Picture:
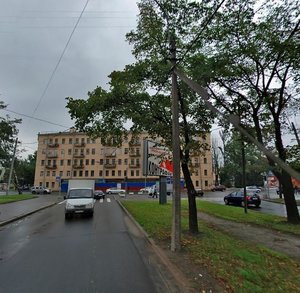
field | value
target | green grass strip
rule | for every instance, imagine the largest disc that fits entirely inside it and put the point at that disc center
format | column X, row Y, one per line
column 11, row 198
column 240, row 266
column 237, row 214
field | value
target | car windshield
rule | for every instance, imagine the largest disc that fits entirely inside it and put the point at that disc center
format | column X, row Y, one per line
column 80, row 193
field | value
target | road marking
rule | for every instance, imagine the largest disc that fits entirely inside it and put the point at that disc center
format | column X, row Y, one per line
column 62, row 202
column 101, row 200
column 108, row 200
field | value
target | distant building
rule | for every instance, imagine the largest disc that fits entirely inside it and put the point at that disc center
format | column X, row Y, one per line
column 73, row 155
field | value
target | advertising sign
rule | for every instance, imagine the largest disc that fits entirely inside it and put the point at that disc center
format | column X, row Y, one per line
column 157, row 160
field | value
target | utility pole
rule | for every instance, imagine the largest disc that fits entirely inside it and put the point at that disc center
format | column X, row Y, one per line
column 11, row 167
column 295, row 132
column 176, row 202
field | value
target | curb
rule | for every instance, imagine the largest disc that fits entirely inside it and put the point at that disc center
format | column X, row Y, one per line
column 3, row 223
column 181, row 280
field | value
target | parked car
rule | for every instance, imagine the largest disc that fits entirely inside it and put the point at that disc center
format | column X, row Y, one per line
column 218, row 188
column 99, row 194
column 145, row 190
column 199, row 192
column 115, row 190
column 253, row 188
column 40, row 190
column 79, row 201
column 237, row 198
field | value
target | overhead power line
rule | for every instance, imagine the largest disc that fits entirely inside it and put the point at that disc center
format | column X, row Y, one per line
column 39, row 119
column 60, row 58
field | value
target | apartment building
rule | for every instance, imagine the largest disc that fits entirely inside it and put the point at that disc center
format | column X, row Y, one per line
column 73, row 155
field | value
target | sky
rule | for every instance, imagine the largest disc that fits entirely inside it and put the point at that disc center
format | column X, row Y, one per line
column 46, row 55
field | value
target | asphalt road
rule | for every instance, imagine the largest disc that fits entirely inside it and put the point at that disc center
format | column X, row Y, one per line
column 265, row 207
column 45, row 253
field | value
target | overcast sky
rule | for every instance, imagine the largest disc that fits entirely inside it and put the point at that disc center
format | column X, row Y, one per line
column 33, row 37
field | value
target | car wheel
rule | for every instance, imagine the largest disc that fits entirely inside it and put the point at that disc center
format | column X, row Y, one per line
column 67, row 216
column 33, row 192
column 226, row 201
column 45, row 192
column 257, row 205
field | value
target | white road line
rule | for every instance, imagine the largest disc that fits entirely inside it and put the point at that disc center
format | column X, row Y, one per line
column 108, row 200
column 101, row 200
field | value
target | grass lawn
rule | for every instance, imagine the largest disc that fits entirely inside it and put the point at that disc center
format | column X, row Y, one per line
column 11, row 198
column 239, row 266
column 237, row 214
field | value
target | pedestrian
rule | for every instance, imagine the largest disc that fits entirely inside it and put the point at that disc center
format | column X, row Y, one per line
column 154, row 193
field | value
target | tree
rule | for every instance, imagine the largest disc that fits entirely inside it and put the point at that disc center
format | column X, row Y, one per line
column 25, row 169
column 251, row 61
column 141, row 92
column 8, row 132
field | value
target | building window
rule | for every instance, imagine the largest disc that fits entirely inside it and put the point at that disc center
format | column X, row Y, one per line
column 197, row 183
column 69, row 163
column 93, row 151
column 137, row 173
column 197, row 173
column 77, row 140
column 119, row 173
column 126, row 151
column 53, row 173
column 61, row 162
column 205, row 160
column 106, row 173
column 125, row 162
column 82, row 140
column 87, row 151
column 88, row 140
column 205, row 172
column 61, row 173
column 206, row 183
column 74, row 173
column 132, row 173
column 125, row 173
column 42, row 162
column 87, row 161
column 93, row 162
column 68, row 173
column 101, row 162
column 70, row 140
column 48, row 173
column 106, row 161
column 119, row 161
column 62, row 152
column 93, row 141
column 113, row 173
column 41, row 173
column 132, row 161
column 69, row 151
column 52, row 184
column 80, row 173
column 100, row 173
column 63, row 141
column 86, row 173
column 47, row 184
column 56, row 140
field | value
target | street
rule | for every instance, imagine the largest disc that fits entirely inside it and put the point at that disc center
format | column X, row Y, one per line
column 45, row 253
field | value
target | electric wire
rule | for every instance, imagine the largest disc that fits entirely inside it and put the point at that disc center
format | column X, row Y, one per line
column 39, row 119
column 61, row 56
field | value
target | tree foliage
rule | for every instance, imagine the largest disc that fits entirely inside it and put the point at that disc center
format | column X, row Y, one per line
column 8, row 132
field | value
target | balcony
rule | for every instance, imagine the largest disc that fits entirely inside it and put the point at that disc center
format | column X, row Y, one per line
column 53, row 145
column 134, row 165
column 51, row 166
column 78, row 166
column 110, row 166
column 110, row 155
column 79, row 144
column 134, row 143
column 134, row 154
column 76, row 155
column 51, row 155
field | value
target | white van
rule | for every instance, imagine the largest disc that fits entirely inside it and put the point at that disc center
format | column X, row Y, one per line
column 79, row 200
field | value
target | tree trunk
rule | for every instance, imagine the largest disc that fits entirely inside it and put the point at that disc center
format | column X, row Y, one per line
column 193, row 218
column 289, row 199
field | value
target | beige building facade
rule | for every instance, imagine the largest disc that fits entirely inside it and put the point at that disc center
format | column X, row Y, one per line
column 62, row 156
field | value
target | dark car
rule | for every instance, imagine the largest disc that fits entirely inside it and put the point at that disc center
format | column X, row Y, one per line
column 99, row 194
column 199, row 192
column 237, row 198
column 218, row 188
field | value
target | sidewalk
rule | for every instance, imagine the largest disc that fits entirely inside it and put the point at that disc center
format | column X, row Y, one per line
column 16, row 210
